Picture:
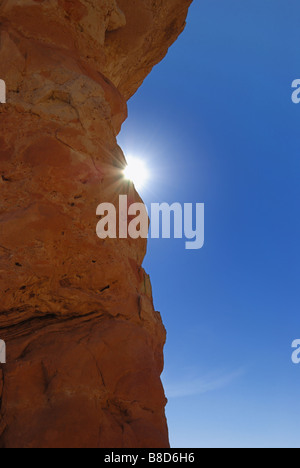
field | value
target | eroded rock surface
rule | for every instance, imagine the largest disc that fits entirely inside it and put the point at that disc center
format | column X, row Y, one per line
column 84, row 343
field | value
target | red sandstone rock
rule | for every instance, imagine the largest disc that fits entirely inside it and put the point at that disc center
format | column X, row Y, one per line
column 84, row 344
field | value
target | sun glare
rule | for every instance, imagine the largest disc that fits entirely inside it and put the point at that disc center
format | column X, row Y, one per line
column 137, row 172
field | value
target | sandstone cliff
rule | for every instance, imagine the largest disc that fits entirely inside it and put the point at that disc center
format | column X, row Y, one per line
column 84, row 344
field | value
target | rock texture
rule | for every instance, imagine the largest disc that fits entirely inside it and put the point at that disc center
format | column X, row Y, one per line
column 84, row 343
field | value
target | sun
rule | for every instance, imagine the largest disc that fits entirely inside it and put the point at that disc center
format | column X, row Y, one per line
column 137, row 172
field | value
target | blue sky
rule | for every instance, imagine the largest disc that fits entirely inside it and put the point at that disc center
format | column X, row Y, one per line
column 216, row 125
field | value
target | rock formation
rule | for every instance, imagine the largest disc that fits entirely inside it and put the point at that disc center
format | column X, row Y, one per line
column 84, row 344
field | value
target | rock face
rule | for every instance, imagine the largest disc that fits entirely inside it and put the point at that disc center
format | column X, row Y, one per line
column 84, row 343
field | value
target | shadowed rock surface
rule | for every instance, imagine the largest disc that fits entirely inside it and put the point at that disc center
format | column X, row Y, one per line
column 84, row 343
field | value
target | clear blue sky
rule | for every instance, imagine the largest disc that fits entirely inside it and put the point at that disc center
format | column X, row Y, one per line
column 216, row 124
